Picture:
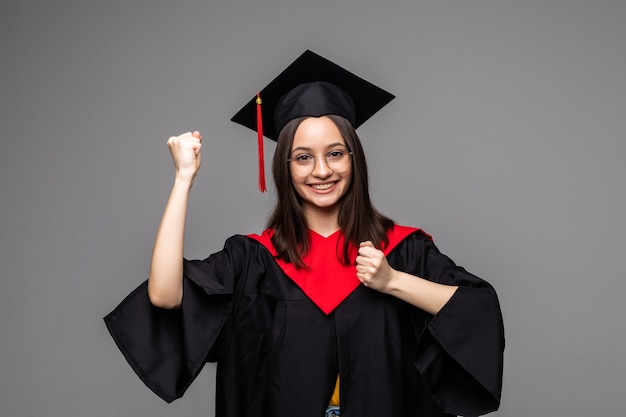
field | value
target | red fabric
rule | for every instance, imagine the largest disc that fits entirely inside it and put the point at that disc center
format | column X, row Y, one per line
column 327, row 282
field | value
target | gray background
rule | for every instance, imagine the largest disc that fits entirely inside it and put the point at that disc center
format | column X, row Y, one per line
column 505, row 142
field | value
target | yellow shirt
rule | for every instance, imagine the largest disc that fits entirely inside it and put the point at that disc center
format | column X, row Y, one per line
column 334, row 400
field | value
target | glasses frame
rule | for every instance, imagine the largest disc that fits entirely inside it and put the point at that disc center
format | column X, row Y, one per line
column 311, row 166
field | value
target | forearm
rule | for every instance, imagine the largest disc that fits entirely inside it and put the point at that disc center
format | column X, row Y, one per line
column 426, row 295
column 165, row 283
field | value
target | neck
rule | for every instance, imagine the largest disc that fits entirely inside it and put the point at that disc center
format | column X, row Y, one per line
column 321, row 221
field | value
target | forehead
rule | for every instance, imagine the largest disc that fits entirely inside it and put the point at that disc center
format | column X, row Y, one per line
column 317, row 133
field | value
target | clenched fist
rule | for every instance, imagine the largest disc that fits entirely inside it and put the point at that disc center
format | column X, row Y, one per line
column 185, row 150
column 372, row 267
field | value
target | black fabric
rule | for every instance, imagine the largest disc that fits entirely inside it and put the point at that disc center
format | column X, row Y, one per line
column 279, row 354
column 309, row 67
column 315, row 99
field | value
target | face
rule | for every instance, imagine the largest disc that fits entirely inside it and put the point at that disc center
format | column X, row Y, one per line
column 320, row 165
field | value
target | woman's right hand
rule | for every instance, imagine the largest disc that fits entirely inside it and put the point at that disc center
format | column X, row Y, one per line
column 165, row 285
column 185, row 150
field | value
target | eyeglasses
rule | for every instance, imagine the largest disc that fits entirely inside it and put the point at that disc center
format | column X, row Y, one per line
column 335, row 159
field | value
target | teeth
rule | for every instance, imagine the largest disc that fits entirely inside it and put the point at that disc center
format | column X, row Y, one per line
column 323, row 186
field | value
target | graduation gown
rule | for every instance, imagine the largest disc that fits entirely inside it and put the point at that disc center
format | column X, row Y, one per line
column 279, row 353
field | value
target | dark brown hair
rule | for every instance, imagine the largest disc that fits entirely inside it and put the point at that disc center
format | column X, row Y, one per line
column 358, row 219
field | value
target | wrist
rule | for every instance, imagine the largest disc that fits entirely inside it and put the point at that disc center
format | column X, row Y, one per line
column 184, row 178
column 393, row 284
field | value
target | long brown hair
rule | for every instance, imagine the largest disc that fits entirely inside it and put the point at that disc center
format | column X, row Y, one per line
column 358, row 219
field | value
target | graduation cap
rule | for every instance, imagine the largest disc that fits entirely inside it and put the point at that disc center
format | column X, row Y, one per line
column 310, row 86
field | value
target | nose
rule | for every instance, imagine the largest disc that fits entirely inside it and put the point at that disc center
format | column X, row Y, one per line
column 321, row 168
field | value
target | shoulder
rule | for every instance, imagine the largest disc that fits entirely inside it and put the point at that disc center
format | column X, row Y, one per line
column 264, row 239
column 409, row 245
column 239, row 252
column 401, row 235
column 239, row 247
column 251, row 240
column 400, row 232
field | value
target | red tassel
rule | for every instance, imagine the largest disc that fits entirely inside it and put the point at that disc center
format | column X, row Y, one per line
column 259, row 130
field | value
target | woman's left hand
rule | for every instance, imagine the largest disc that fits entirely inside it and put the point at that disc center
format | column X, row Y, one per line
column 372, row 268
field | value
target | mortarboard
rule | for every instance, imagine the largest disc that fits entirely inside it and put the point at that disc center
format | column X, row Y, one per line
column 309, row 86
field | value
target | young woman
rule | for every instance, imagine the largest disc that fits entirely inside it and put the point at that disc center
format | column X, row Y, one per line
column 333, row 308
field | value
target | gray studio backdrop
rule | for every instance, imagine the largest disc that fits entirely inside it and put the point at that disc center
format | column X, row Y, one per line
column 505, row 142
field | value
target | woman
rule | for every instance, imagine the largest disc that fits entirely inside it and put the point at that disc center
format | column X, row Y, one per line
column 332, row 291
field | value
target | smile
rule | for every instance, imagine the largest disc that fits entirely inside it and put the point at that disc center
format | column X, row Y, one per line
column 325, row 186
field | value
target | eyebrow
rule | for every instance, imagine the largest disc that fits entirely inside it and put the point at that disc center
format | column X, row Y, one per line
column 332, row 145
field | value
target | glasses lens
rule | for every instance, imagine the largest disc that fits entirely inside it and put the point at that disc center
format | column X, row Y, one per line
column 335, row 156
column 334, row 159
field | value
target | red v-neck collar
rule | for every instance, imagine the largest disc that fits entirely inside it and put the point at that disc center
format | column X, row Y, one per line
column 327, row 282
column 330, row 236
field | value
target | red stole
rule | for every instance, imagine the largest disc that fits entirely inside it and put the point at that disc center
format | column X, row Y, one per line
column 326, row 281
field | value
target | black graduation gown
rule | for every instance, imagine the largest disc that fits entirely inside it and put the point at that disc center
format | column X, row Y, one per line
column 278, row 354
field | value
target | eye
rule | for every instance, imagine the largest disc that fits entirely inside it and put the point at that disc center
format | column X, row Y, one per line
column 303, row 158
column 335, row 155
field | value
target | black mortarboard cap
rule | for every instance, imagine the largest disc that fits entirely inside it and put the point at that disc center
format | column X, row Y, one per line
column 315, row 101
column 310, row 86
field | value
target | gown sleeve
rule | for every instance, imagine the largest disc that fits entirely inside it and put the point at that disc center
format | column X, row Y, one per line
column 168, row 348
column 460, row 352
